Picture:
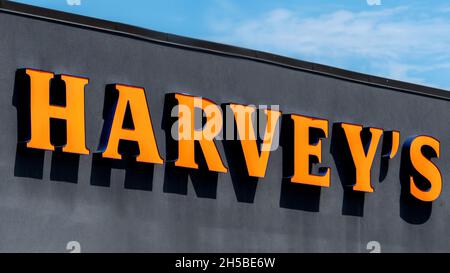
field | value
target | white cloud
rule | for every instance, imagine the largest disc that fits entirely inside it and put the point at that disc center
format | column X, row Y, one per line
column 373, row 2
column 73, row 2
column 390, row 40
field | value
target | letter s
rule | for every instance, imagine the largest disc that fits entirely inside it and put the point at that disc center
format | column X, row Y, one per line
column 422, row 164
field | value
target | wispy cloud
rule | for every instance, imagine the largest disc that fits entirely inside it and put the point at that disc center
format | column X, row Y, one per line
column 73, row 2
column 390, row 41
column 373, row 2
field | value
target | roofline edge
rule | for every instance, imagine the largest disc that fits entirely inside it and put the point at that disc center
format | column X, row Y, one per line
column 217, row 48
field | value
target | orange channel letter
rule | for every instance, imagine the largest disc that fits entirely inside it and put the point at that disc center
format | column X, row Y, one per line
column 425, row 167
column 303, row 151
column 362, row 160
column 143, row 130
column 256, row 162
column 187, row 135
column 41, row 111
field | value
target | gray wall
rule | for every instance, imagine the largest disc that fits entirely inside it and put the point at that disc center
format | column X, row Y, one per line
column 47, row 200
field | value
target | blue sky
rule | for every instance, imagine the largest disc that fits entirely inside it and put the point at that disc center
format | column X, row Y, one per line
column 402, row 39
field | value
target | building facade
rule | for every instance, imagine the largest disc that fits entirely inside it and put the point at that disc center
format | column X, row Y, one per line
column 52, row 200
